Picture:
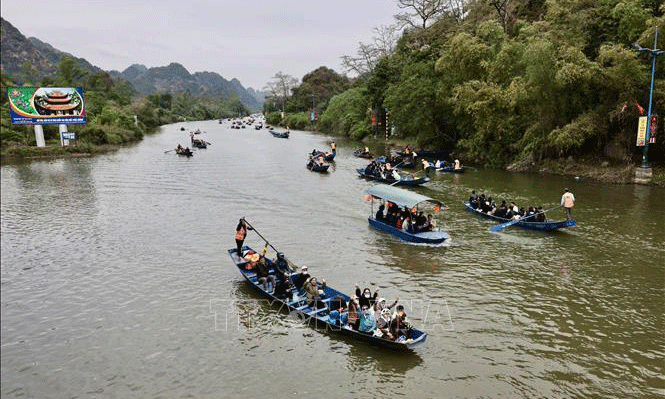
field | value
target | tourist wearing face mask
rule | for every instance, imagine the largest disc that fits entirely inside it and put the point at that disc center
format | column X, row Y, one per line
column 365, row 298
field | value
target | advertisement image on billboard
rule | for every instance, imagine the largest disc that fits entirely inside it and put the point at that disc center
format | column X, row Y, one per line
column 46, row 105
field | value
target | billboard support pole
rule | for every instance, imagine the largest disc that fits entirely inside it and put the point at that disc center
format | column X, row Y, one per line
column 39, row 136
column 63, row 129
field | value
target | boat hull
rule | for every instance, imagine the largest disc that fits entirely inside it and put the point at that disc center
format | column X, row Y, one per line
column 539, row 226
column 321, row 318
column 428, row 237
column 401, row 182
column 281, row 135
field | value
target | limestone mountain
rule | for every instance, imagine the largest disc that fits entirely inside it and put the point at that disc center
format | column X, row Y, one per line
column 31, row 59
column 175, row 77
column 22, row 58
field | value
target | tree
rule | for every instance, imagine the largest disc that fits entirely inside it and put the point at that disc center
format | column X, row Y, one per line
column 69, row 73
column 419, row 12
column 280, row 87
column 368, row 55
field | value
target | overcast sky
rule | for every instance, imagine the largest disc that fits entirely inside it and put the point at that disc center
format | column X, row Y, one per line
column 249, row 40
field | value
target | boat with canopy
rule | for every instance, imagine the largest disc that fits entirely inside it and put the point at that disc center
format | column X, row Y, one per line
column 395, row 196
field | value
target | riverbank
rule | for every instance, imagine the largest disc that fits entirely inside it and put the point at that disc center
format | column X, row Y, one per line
column 55, row 150
column 599, row 170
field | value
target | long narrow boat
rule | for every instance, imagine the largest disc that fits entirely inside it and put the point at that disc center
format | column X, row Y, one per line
column 321, row 316
column 317, row 168
column 540, row 226
column 281, row 135
column 400, row 164
column 409, row 199
column 450, row 169
column 363, row 154
column 327, row 156
column 407, row 180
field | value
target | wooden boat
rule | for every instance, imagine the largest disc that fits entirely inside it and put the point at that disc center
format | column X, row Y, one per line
column 199, row 143
column 363, row 154
column 450, row 169
column 185, row 151
column 281, row 135
column 423, row 153
column 327, row 156
column 407, row 180
column 400, row 163
column 402, row 197
column 320, row 317
column 525, row 224
column 314, row 167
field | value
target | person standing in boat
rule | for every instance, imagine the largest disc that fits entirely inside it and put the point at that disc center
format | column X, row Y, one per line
column 567, row 202
column 333, row 147
column 241, row 233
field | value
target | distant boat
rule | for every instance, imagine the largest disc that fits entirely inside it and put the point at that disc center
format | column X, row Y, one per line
column 363, row 154
column 185, row 152
column 406, row 180
column 281, row 135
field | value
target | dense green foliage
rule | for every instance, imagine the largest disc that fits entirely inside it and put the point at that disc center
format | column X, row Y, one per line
column 552, row 79
column 115, row 113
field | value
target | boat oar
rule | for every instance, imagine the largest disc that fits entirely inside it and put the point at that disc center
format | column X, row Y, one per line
column 168, row 151
column 501, row 226
column 291, row 266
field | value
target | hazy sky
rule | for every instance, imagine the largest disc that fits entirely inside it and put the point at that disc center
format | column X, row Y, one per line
column 249, row 40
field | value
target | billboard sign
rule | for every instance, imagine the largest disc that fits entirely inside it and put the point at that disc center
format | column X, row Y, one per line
column 46, row 105
column 641, row 131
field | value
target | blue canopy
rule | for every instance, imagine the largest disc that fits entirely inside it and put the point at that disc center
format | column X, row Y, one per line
column 400, row 196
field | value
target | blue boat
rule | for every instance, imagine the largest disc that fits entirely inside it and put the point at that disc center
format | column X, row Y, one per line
column 410, row 200
column 401, row 164
column 281, row 135
column 450, row 169
column 406, row 180
column 363, row 154
column 320, row 317
column 540, row 226
column 327, row 156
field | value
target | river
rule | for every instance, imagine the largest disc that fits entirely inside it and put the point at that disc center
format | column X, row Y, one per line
column 116, row 282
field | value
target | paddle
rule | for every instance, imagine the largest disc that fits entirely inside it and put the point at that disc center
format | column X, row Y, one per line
column 512, row 222
column 165, row 152
column 291, row 266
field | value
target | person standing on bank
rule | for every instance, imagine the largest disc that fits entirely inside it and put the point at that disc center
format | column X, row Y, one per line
column 567, row 202
column 241, row 233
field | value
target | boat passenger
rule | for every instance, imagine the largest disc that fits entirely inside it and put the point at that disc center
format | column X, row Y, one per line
column 420, row 219
column 379, row 214
column 352, row 319
column 284, row 287
column 314, row 293
column 367, row 321
column 300, row 278
column 396, row 175
column 458, row 166
column 380, row 306
column 280, row 264
column 263, row 274
column 400, row 328
column 383, row 325
column 241, row 233
column 567, row 202
column 178, row 147
column 366, row 297
column 427, row 225
column 406, row 225
column 337, row 308
column 540, row 215
column 501, row 210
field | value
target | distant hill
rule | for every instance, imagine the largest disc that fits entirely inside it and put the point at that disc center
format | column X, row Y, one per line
column 17, row 51
column 175, row 77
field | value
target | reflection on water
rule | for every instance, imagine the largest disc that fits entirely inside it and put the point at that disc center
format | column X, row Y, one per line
column 115, row 279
